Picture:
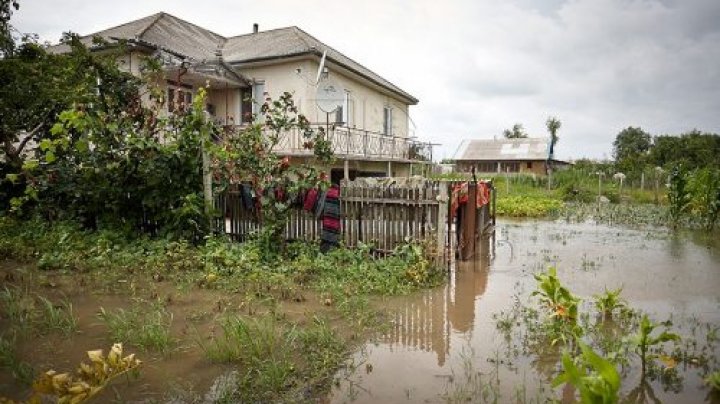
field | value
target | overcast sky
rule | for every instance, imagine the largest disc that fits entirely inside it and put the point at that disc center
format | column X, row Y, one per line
column 480, row 66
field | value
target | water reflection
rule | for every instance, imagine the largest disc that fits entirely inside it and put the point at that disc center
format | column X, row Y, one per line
column 426, row 323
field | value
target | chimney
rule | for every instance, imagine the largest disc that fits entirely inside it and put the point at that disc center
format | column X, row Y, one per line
column 255, row 28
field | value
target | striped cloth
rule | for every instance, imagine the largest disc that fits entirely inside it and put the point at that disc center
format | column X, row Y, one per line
column 330, row 234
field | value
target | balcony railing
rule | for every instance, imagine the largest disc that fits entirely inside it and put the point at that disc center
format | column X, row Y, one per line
column 360, row 144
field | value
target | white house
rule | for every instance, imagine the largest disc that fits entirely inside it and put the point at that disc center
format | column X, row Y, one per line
column 369, row 131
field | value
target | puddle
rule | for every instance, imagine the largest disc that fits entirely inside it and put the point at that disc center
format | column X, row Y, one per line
column 440, row 338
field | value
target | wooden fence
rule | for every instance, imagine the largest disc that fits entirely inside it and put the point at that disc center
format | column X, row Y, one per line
column 385, row 213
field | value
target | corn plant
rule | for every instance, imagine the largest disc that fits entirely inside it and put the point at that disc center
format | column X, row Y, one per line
column 678, row 195
column 593, row 376
column 643, row 341
column 609, row 301
column 562, row 304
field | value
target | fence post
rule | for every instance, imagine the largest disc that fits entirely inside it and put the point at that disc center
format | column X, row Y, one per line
column 442, row 223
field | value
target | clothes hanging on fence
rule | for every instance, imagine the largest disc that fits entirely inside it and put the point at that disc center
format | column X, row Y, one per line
column 320, row 205
column 246, row 194
column 330, row 234
column 310, row 199
column 460, row 195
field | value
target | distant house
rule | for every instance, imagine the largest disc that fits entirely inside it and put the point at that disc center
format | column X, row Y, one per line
column 369, row 131
column 523, row 155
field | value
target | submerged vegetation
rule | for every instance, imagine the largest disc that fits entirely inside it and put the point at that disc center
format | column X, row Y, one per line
column 601, row 353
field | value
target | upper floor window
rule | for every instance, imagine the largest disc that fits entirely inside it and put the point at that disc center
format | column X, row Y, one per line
column 342, row 113
column 387, row 121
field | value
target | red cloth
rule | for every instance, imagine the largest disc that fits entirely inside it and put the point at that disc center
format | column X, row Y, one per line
column 310, row 199
column 460, row 196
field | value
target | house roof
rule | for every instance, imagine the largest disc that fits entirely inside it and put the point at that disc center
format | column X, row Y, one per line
column 503, row 149
column 185, row 39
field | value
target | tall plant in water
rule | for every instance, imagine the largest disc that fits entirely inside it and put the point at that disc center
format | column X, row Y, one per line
column 705, row 186
column 248, row 155
column 643, row 341
column 593, row 376
column 678, row 195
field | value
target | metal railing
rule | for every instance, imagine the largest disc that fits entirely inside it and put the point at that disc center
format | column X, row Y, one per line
column 358, row 143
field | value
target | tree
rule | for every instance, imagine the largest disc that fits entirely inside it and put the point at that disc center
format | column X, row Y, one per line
column 7, row 42
column 517, row 132
column 694, row 149
column 553, row 125
column 630, row 149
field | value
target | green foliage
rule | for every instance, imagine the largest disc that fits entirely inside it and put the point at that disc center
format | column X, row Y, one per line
column 693, row 150
column 275, row 359
column 58, row 317
column 21, row 371
column 147, row 329
column 644, row 341
column 517, row 132
column 678, row 195
column 527, row 206
column 705, row 189
column 713, row 380
column 562, row 304
column 593, row 376
column 248, row 155
column 609, row 301
column 630, row 150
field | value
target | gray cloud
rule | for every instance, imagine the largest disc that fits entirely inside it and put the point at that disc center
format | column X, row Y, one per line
column 480, row 66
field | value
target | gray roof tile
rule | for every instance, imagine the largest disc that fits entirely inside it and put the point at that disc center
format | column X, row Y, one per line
column 187, row 39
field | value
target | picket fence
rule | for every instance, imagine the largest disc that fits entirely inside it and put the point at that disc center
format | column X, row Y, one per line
column 384, row 213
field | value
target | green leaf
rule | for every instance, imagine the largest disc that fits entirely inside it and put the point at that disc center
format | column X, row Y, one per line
column 12, row 178
column 50, row 156
column 45, row 144
column 30, row 165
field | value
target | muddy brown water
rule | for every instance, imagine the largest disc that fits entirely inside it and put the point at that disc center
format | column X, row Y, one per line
column 438, row 335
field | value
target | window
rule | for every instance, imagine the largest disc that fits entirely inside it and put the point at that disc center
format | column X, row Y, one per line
column 246, row 105
column 387, row 121
column 179, row 98
column 529, row 164
column 342, row 113
column 258, row 98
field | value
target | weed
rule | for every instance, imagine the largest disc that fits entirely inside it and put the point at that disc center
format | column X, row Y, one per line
column 20, row 371
column 609, row 301
column 57, row 317
column 17, row 306
column 643, row 341
column 276, row 359
column 713, row 380
column 593, row 376
column 149, row 330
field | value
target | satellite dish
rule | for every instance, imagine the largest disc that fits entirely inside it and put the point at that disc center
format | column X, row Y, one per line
column 329, row 96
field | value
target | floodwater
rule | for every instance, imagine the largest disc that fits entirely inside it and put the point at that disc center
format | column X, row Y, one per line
column 440, row 336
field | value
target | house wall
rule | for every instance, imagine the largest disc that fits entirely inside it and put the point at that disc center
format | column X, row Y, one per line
column 536, row 167
column 366, row 103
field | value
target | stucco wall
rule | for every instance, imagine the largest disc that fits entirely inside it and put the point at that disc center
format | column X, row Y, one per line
column 366, row 103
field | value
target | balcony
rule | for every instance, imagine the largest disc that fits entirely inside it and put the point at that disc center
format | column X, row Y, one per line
column 357, row 144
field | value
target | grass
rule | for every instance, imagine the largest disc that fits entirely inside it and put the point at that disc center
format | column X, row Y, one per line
column 278, row 361
column 21, row 371
column 26, row 312
column 148, row 330
column 17, row 306
column 57, row 317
